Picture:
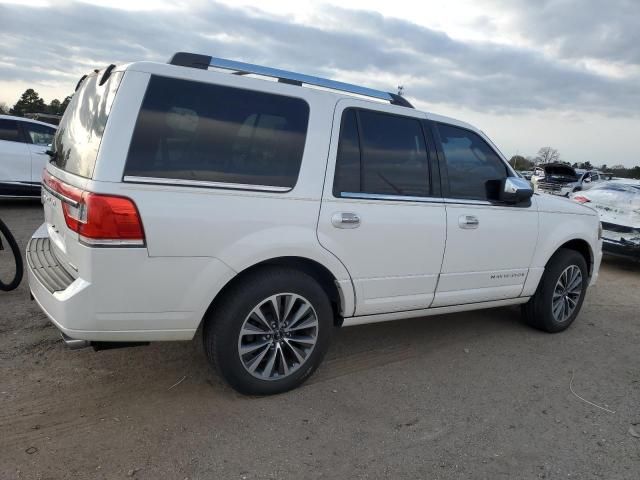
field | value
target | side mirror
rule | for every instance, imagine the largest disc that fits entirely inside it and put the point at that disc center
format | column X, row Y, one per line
column 515, row 190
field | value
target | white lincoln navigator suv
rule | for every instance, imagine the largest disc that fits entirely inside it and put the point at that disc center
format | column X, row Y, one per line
column 269, row 207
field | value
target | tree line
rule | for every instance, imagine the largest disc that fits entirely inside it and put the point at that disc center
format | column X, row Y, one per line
column 551, row 155
column 31, row 102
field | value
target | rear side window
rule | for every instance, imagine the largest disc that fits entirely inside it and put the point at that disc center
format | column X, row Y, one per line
column 380, row 153
column 190, row 130
column 39, row 134
column 9, row 131
column 474, row 170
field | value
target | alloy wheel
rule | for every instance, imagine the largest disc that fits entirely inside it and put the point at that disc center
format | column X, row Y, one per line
column 278, row 336
column 566, row 293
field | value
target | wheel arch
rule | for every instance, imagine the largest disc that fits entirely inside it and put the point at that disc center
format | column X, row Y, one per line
column 583, row 248
column 319, row 272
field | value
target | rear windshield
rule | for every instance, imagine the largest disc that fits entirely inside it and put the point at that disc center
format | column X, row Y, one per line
column 197, row 131
column 78, row 138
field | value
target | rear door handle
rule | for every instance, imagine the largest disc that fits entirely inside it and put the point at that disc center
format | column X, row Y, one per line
column 468, row 222
column 345, row 220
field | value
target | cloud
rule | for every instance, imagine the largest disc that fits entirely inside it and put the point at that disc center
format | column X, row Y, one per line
column 605, row 30
column 58, row 44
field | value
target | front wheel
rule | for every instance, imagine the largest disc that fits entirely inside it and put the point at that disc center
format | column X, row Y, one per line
column 270, row 331
column 560, row 294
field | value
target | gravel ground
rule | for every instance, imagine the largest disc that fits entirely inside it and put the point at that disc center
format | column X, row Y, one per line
column 472, row 395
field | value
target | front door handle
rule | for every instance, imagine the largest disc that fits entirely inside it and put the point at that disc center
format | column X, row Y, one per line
column 345, row 220
column 468, row 221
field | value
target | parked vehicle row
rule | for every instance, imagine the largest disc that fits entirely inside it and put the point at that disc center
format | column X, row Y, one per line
column 618, row 204
column 268, row 213
column 23, row 147
column 561, row 179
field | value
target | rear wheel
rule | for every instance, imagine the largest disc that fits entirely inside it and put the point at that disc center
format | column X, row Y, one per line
column 270, row 332
column 560, row 294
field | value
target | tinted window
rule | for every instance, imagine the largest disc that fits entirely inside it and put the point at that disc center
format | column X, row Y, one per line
column 80, row 132
column 198, row 131
column 473, row 168
column 347, row 176
column 9, row 130
column 39, row 134
column 390, row 157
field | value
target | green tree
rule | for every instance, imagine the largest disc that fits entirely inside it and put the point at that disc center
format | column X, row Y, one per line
column 30, row 102
column 520, row 163
column 65, row 104
column 54, row 107
column 4, row 109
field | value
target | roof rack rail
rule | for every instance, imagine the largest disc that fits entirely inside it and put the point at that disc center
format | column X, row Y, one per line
column 194, row 60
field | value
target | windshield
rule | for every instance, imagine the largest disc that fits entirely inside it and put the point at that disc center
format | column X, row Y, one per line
column 78, row 138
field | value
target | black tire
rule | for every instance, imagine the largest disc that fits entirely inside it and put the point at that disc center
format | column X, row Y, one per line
column 222, row 328
column 7, row 240
column 538, row 311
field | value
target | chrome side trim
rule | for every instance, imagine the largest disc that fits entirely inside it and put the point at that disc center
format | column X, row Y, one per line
column 397, row 198
column 466, row 202
column 59, row 196
column 202, row 183
column 298, row 77
column 426, row 312
column 105, row 242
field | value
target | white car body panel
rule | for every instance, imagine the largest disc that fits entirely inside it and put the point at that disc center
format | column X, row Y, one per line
column 387, row 255
column 490, row 261
column 561, row 221
column 39, row 159
column 406, row 258
column 15, row 162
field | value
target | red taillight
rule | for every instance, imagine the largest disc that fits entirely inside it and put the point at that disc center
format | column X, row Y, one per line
column 98, row 219
column 110, row 218
column 581, row 199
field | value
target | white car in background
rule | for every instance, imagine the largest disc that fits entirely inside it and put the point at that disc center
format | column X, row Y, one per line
column 23, row 155
column 618, row 203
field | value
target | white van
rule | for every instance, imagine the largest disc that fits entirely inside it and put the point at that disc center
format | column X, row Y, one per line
column 269, row 207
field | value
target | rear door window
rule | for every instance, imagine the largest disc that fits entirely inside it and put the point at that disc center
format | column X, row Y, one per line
column 474, row 169
column 9, row 130
column 39, row 134
column 198, row 131
column 381, row 153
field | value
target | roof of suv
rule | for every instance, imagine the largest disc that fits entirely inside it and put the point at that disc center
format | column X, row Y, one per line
column 331, row 88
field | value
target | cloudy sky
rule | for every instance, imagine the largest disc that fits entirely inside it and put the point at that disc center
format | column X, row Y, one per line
column 564, row 73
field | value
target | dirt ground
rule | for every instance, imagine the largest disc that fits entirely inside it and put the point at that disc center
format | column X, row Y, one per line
column 473, row 395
